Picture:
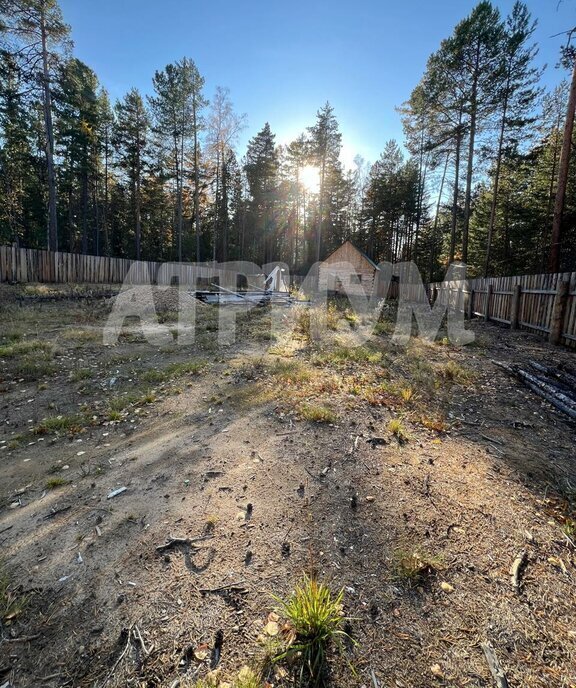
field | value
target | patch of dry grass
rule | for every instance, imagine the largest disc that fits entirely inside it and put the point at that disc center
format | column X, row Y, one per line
column 12, row 600
column 69, row 424
column 396, row 428
column 317, row 413
column 414, row 567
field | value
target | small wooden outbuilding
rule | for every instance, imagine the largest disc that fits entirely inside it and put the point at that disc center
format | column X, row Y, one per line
column 347, row 270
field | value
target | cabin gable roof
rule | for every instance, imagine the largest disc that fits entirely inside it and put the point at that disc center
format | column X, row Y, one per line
column 331, row 256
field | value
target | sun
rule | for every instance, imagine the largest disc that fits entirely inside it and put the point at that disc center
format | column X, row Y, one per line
column 309, row 178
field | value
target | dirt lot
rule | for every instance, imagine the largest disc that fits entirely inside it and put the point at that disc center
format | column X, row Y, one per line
column 411, row 477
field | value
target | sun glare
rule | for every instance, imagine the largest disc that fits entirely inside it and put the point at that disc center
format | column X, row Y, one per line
column 310, row 178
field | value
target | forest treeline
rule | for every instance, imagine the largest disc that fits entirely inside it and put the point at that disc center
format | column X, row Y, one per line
column 160, row 177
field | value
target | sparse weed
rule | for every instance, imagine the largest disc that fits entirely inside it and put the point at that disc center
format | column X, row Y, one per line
column 569, row 528
column 59, row 424
column 347, row 354
column 121, row 402
column 23, row 348
column 436, row 423
column 247, row 678
column 81, row 374
column 14, row 443
column 290, row 371
column 414, row 568
column 154, row 376
column 383, row 327
column 12, row 601
column 53, row 483
column 173, row 371
column 396, row 427
column 454, row 372
column 31, row 369
column 406, row 393
column 212, row 521
column 317, row 413
column 80, row 335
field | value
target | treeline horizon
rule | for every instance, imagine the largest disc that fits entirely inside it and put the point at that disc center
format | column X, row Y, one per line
column 160, row 177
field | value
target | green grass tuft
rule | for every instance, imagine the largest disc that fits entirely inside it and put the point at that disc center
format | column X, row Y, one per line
column 317, row 414
column 12, row 601
column 81, row 374
column 396, row 427
column 53, row 483
column 173, row 371
column 59, row 424
column 414, row 568
column 23, row 348
column 315, row 614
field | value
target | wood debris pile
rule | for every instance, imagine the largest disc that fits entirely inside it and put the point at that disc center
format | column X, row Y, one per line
column 555, row 384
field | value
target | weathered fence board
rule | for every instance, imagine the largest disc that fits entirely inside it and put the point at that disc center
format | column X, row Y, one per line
column 537, row 303
column 36, row 265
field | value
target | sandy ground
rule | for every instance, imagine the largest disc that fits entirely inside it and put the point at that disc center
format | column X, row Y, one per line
column 225, row 457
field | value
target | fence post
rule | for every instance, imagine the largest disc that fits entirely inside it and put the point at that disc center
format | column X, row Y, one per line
column 558, row 312
column 489, row 290
column 515, row 307
column 470, row 304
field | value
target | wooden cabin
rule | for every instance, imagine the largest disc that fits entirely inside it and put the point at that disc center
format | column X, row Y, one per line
column 347, row 270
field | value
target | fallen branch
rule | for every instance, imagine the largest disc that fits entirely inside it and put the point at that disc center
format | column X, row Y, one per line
column 22, row 639
column 566, row 378
column 120, row 658
column 494, row 665
column 232, row 586
column 517, row 568
column 547, row 392
column 544, row 389
column 491, row 439
column 139, row 638
column 175, row 541
column 58, row 511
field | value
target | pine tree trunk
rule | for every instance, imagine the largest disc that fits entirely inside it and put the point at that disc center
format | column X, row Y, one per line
column 85, row 209
column 96, row 217
column 196, row 181
column 181, row 199
column 435, row 230
column 297, row 227
column 224, row 249
column 496, row 179
column 178, row 197
column 215, row 231
column 320, row 208
column 455, row 195
column 137, row 209
column 421, row 183
column 47, row 105
column 554, row 262
column 470, row 167
column 550, row 204
column 105, row 210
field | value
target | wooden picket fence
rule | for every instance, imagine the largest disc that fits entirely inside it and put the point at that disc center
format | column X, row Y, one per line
column 543, row 304
column 36, row 265
column 26, row 265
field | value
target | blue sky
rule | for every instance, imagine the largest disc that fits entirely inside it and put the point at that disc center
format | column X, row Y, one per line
column 282, row 61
